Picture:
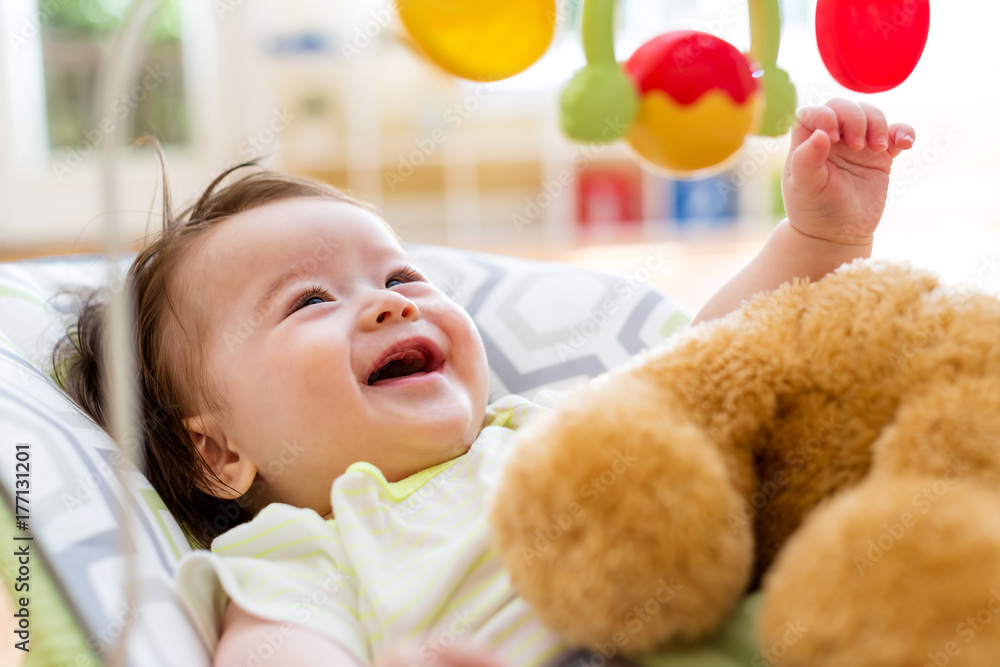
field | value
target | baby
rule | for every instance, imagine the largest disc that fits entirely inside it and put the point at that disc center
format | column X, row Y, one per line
column 288, row 344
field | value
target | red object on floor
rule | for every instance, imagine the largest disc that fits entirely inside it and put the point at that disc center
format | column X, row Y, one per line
column 609, row 196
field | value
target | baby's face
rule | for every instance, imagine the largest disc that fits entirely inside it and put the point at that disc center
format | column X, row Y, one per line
column 329, row 348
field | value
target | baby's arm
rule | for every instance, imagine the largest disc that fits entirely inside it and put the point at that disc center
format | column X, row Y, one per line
column 787, row 254
column 834, row 183
column 244, row 634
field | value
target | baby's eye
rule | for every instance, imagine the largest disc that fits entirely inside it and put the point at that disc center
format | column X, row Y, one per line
column 309, row 301
column 310, row 296
column 405, row 274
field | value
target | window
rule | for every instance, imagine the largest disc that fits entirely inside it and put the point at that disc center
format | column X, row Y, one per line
column 75, row 38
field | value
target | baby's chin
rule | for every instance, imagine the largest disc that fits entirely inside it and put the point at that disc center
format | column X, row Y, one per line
column 443, row 456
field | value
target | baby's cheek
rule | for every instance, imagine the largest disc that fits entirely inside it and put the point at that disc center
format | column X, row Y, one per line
column 473, row 348
column 470, row 353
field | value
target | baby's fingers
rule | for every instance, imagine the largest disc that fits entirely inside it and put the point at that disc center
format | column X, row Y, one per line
column 878, row 128
column 815, row 118
column 808, row 164
column 901, row 138
column 853, row 121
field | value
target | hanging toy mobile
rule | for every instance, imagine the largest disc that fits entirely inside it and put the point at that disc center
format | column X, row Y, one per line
column 685, row 101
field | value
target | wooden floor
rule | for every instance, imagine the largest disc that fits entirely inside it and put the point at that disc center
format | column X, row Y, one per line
column 14, row 253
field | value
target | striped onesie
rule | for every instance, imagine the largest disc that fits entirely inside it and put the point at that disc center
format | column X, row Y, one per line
column 403, row 560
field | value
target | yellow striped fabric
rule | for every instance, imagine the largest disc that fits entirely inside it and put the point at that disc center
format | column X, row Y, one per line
column 409, row 560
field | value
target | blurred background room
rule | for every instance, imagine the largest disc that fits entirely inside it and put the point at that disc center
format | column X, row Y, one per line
column 334, row 90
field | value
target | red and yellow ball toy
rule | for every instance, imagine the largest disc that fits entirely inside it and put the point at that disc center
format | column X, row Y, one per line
column 698, row 101
column 685, row 101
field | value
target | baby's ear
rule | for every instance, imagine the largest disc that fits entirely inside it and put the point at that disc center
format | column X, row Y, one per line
column 221, row 454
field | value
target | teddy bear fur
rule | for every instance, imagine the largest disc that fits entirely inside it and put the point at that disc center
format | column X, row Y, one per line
column 835, row 443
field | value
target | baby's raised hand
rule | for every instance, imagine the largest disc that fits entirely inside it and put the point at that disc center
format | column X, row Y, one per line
column 836, row 175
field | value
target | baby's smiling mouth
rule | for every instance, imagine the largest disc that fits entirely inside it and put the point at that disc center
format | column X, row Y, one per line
column 407, row 357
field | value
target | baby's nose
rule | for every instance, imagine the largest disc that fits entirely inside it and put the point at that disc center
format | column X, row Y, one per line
column 404, row 313
column 390, row 305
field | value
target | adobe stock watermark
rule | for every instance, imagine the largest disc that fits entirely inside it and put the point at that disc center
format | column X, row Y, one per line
column 31, row 26
column 229, row 513
column 455, row 287
column 986, row 272
column 923, row 502
column 255, row 144
column 930, row 329
column 302, row 610
column 426, row 146
column 694, row 393
column 759, row 151
column 624, row 288
column 900, row 16
column 416, row 501
column 434, row 647
column 102, row 640
column 553, row 188
column 769, row 656
column 633, row 622
column 333, row 581
column 590, row 492
column 562, row 11
column 224, row 8
column 918, row 162
column 777, row 303
column 691, row 50
column 117, row 459
column 365, row 35
column 967, row 630
column 271, row 643
column 795, row 461
column 320, row 253
column 121, row 108
column 726, row 17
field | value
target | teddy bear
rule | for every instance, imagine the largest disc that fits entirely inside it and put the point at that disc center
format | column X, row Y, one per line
column 833, row 446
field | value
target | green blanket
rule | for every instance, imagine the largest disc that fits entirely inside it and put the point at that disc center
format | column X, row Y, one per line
column 55, row 637
column 735, row 645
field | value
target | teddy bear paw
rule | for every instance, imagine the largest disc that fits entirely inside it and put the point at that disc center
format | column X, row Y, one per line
column 892, row 572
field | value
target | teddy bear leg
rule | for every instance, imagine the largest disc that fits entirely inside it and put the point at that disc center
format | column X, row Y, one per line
column 903, row 569
column 614, row 520
column 893, row 572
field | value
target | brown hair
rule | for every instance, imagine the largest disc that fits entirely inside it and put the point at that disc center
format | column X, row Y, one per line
column 168, row 353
